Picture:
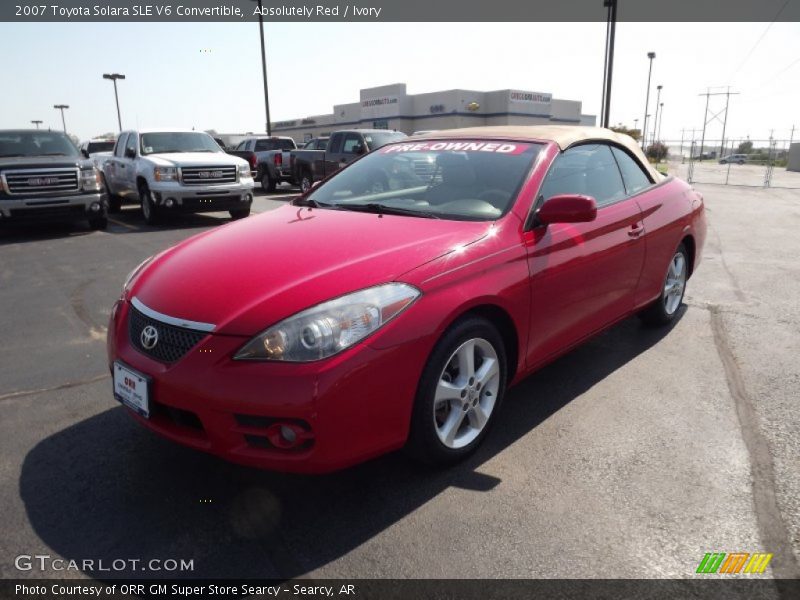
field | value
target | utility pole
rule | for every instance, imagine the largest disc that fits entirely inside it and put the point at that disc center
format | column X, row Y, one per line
column 660, row 121
column 61, row 107
column 37, row 123
column 655, row 121
column 264, row 66
column 707, row 119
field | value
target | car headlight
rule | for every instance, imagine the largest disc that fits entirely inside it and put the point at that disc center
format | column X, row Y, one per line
column 165, row 173
column 244, row 171
column 133, row 274
column 330, row 327
column 91, row 179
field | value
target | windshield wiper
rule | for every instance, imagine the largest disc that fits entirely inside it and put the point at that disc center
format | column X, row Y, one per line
column 300, row 201
column 10, row 155
column 53, row 154
column 384, row 209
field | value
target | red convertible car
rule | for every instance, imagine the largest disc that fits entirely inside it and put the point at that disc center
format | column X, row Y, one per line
column 392, row 305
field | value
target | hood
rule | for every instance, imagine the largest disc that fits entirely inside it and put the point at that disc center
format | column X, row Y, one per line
column 192, row 159
column 44, row 162
column 245, row 276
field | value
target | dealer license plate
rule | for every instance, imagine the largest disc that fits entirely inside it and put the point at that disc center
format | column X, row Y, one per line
column 132, row 389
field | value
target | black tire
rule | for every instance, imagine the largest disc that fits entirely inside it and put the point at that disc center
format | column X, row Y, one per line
column 658, row 313
column 149, row 208
column 306, row 182
column 424, row 442
column 239, row 213
column 114, row 203
column 267, row 183
column 98, row 223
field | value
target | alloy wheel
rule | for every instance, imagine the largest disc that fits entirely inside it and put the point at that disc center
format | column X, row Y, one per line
column 675, row 283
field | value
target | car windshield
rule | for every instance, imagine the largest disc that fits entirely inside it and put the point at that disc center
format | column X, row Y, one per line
column 35, row 143
column 461, row 180
column 379, row 139
column 165, row 142
column 105, row 146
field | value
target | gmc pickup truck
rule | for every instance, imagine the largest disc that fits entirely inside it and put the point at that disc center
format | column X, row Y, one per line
column 308, row 166
column 177, row 171
column 43, row 176
column 268, row 158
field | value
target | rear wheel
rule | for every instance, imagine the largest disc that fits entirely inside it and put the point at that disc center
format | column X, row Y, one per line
column 267, row 183
column 149, row 210
column 306, row 181
column 459, row 393
column 665, row 309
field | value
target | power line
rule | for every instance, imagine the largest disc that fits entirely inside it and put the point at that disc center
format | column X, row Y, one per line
column 758, row 41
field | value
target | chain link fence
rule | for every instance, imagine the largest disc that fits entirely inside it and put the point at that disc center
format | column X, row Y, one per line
column 754, row 163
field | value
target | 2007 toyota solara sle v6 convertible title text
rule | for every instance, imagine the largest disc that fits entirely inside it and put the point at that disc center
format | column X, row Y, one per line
column 392, row 305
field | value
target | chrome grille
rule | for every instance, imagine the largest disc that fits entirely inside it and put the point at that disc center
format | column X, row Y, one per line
column 208, row 175
column 32, row 182
column 173, row 342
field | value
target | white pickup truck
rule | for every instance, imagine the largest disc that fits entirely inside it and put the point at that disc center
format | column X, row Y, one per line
column 169, row 171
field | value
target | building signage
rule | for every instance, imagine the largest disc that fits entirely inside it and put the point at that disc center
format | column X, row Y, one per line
column 384, row 101
column 536, row 97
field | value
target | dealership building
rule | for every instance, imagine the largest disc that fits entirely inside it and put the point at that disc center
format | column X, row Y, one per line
column 391, row 107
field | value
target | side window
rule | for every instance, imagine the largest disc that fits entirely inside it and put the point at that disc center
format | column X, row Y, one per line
column 242, row 145
column 120, row 144
column 588, row 169
column 335, row 144
column 131, row 143
column 351, row 140
column 632, row 174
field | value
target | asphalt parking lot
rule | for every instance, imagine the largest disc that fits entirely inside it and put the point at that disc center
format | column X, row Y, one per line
column 632, row 456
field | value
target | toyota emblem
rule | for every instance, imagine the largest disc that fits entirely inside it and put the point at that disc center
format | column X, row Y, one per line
column 149, row 337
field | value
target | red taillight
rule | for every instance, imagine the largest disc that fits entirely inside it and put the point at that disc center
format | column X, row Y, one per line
column 278, row 159
column 254, row 162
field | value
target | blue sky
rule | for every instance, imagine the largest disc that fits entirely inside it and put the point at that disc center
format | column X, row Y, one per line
column 170, row 82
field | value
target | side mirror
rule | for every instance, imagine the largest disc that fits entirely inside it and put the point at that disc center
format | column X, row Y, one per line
column 130, row 153
column 85, row 153
column 567, row 208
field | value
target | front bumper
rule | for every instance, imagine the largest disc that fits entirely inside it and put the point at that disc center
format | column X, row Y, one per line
column 347, row 409
column 77, row 206
column 173, row 196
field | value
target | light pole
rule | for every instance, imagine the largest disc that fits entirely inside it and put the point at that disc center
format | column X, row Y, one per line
column 608, row 67
column 37, row 123
column 264, row 66
column 113, row 77
column 651, row 56
column 655, row 121
column 61, row 107
column 660, row 121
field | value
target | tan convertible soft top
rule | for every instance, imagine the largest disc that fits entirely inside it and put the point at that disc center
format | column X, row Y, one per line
column 563, row 135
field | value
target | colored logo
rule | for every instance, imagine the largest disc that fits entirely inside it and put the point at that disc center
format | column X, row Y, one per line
column 735, row 562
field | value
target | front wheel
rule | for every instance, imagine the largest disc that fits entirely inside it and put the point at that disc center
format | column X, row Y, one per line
column 459, row 393
column 306, row 182
column 664, row 310
column 149, row 211
column 239, row 213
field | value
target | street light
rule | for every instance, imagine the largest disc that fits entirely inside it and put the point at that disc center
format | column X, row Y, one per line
column 113, row 77
column 611, row 25
column 264, row 65
column 37, row 123
column 651, row 56
column 655, row 121
column 61, row 107
column 660, row 121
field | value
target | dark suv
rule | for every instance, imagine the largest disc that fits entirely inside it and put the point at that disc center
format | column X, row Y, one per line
column 44, row 176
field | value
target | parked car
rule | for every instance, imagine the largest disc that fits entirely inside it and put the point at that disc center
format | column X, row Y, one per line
column 319, row 143
column 738, row 159
column 308, row 166
column 98, row 150
column 44, row 176
column 359, row 323
column 268, row 158
column 169, row 171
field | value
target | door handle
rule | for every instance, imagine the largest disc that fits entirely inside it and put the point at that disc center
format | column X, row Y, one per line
column 636, row 230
